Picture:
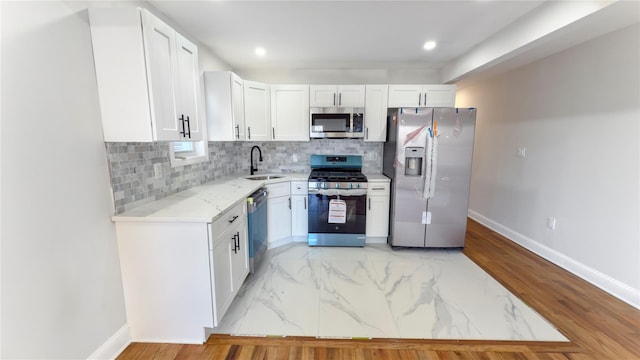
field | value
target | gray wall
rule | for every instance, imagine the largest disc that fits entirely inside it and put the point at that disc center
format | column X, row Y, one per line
column 131, row 165
column 577, row 112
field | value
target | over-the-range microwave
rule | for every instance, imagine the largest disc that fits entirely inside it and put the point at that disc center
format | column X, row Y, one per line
column 336, row 122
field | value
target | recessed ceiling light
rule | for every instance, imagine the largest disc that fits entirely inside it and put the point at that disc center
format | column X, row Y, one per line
column 260, row 51
column 429, row 45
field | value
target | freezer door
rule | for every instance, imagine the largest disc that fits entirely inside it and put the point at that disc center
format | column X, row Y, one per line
column 408, row 205
column 449, row 205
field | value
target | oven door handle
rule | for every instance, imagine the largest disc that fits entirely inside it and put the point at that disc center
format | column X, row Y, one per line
column 339, row 192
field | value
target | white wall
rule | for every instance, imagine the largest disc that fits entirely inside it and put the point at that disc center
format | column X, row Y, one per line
column 578, row 114
column 61, row 287
column 341, row 76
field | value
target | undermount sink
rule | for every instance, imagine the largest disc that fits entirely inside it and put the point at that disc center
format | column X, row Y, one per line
column 263, row 177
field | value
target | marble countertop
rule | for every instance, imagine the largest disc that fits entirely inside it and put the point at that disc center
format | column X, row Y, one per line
column 202, row 203
column 377, row 178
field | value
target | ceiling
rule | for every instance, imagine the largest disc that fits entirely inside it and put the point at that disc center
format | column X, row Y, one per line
column 362, row 34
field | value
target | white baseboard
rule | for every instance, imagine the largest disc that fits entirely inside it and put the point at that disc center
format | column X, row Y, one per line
column 376, row 239
column 114, row 346
column 605, row 282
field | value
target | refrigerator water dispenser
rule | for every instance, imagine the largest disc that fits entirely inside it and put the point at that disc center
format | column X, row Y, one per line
column 413, row 157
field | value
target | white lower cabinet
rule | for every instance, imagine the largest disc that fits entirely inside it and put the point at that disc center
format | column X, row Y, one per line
column 378, row 211
column 278, row 212
column 229, row 258
column 180, row 277
column 299, row 210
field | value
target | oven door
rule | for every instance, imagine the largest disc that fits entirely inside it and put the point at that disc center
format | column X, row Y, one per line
column 349, row 230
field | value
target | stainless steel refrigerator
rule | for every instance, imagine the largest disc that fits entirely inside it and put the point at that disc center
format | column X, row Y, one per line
column 428, row 158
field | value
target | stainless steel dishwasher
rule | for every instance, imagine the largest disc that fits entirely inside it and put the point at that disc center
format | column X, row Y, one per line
column 257, row 221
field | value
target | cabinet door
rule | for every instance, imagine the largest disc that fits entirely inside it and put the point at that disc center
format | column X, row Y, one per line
column 222, row 277
column 299, row 216
column 351, row 95
column 440, row 95
column 240, row 257
column 405, row 96
column 160, row 45
column 278, row 218
column 323, row 95
column 290, row 112
column 377, row 216
column 188, row 90
column 375, row 113
column 237, row 104
column 257, row 111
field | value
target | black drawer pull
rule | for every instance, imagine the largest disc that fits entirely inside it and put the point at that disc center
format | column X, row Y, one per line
column 233, row 219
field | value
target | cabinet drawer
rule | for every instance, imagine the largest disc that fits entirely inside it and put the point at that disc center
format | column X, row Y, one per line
column 228, row 219
column 299, row 188
column 278, row 189
column 378, row 188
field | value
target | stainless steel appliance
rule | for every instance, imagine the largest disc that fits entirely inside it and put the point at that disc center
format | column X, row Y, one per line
column 257, row 223
column 337, row 201
column 428, row 158
column 336, row 122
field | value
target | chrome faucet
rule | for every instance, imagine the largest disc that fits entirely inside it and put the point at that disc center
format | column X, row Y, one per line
column 254, row 169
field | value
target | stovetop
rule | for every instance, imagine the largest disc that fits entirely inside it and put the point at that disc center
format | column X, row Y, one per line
column 326, row 175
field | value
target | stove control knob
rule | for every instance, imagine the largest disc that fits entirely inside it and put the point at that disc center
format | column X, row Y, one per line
column 358, row 185
column 350, row 185
column 337, row 185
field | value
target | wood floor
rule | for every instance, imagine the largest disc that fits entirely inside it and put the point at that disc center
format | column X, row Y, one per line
column 598, row 325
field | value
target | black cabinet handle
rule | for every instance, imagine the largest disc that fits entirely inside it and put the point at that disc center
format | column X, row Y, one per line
column 305, row 203
column 419, row 99
column 425, row 99
column 238, row 132
column 238, row 239
column 340, row 99
column 334, row 99
column 235, row 250
column 249, row 132
column 366, row 133
column 273, row 132
column 181, row 119
column 188, row 122
column 369, row 203
column 289, row 203
column 233, row 219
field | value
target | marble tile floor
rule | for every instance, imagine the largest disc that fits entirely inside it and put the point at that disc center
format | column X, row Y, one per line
column 377, row 292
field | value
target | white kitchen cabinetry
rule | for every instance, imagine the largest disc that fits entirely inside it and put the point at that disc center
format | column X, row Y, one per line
column 378, row 211
column 375, row 113
column 422, row 96
column 299, row 210
column 336, row 95
column 229, row 257
column 278, row 213
column 224, row 96
column 290, row 112
column 180, row 277
column 257, row 111
column 147, row 75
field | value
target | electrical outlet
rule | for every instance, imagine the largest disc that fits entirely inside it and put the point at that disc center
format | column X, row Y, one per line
column 294, row 158
column 522, row 151
column 157, row 171
column 551, row 223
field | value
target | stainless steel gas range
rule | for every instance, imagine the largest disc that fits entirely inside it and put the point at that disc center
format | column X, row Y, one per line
column 337, row 201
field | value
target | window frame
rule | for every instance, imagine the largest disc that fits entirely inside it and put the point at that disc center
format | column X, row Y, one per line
column 198, row 155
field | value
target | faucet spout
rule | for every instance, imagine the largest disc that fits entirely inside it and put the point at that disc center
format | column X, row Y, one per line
column 254, row 169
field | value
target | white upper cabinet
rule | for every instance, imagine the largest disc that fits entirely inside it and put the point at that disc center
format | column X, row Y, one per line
column 257, row 111
column 336, row 95
column 375, row 113
column 224, row 97
column 422, row 96
column 290, row 112
column 148, row 77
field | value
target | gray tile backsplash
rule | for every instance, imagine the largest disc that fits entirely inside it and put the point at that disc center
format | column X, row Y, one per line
column 134, row 184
